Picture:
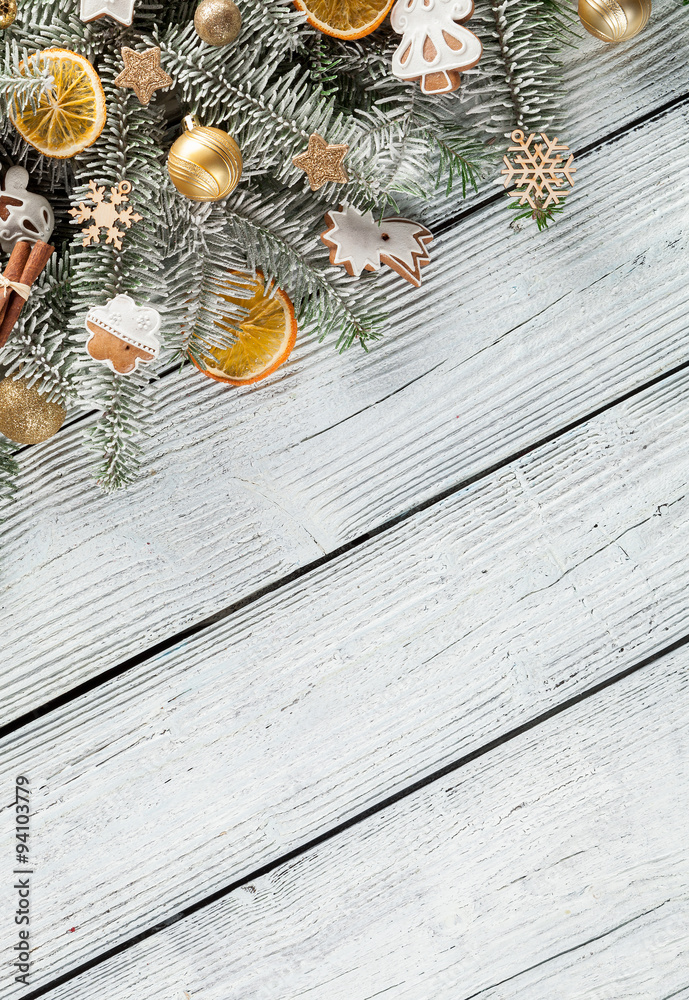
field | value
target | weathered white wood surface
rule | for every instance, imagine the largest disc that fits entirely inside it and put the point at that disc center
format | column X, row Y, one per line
column 608, row 86
column 554, row 866
column 338, row 690
column 512, row 337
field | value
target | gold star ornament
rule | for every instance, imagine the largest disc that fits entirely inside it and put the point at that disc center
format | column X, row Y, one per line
column 322, row 162
column 142, row 73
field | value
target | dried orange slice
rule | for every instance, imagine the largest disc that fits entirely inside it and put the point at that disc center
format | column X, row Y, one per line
column 70, row 113
column 346, row 19
column 262, row 341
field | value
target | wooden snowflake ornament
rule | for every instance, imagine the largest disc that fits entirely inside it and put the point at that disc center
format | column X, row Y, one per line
column 359, row 243
column 435, row 47
column 106, row 214
column 538, row 171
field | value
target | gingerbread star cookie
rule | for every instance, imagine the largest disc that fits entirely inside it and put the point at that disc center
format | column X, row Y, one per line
column 143, row 73
column 322, row 162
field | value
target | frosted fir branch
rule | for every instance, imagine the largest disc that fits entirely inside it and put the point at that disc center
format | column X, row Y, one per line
column 45, row 25
column 23, row 81
column 38, row 346
column 427, row 139
column 319, row 293
column 205, row 266
column 276, row 20
column 130, row 148
column 272, row 117
column 114, row 439
column 518, row 81
column 240, row 90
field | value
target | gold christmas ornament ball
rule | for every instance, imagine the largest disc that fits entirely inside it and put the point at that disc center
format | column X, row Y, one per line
column 8, row 12
column 614, row 20
column 26, row 416
column 205, row 163
column 217, row 22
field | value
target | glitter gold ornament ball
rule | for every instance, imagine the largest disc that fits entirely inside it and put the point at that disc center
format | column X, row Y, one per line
column 8, row 12
column 205, row 163
column 26, row 416
column 217, row 22
column 614, row 20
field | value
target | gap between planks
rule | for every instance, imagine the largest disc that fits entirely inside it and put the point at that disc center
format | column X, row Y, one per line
column 558, row 575
column 293, row 496
column 555, row 866
column 177, row 638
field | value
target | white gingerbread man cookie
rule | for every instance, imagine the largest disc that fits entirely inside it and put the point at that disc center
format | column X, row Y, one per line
column 122, row 334
column 359, row 243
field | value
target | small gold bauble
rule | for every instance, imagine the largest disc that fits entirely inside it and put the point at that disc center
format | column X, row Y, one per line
column 205, row 163
column 217, row 22
column 26, row 416
column 8, row 12
column 614, row 20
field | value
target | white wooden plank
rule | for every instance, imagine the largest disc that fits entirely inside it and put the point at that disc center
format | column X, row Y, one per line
column 612, row 85
column 607, row 87
column 514, row 336
column 554, row 866
column 318, row 701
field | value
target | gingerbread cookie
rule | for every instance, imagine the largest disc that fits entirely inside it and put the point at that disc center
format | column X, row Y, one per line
column 435, row 48
column 359, row 243
column 122, row 334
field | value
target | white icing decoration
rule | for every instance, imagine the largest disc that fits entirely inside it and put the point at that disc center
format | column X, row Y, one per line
column 31, row 220
column 135, row 325
column 119, row 10
column 358, row 242
column 433, row 42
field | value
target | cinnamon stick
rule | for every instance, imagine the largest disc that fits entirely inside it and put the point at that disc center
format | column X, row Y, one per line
column 38, row 258
column 13, row 271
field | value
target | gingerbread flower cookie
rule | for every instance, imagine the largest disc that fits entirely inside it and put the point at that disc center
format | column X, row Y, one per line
column 122, row 334
column 359, row 243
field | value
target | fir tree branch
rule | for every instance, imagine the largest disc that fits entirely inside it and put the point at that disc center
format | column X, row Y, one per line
column 318, row 293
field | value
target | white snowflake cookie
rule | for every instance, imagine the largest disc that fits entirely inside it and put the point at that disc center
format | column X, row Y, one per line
column 118, row 10
column 122, row 335
column 435, row 47
column 359, row 243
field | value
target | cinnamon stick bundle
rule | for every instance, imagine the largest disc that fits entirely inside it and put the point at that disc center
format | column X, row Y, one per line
column 38, row 257
column 13, row 272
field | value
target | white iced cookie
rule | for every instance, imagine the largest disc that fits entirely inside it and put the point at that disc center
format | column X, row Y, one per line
column 119, row 10
column 24, row 215
column 359, row 243
column 435, row 47
column 122, row 335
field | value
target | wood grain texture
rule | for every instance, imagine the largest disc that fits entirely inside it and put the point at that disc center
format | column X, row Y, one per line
column 340, row 689
column 554, row 866
column 616, row 84
column 512, row 337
